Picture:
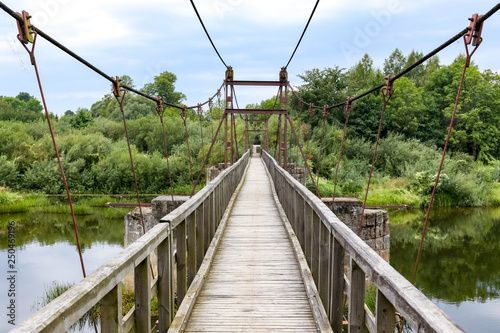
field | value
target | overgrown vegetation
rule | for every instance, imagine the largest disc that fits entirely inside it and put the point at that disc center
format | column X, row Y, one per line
column 95, row 155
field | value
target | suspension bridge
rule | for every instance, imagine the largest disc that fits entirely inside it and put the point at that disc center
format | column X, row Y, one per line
column 254, row 250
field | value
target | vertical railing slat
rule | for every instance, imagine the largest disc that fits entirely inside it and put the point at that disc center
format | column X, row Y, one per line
column 356, row 299
column 180, row 237
column 385, row 314
column 165, row 314
column 315, row 247
column 308, row 221
column 111, row 313
column 324, row 266
column 337, row 305
column 200, row 239
column 142, row 286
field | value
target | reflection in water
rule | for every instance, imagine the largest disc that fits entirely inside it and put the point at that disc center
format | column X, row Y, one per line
column 46, row 251
column 460, row 264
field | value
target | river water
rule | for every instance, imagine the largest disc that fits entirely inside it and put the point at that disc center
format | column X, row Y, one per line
column 46, row 253
column 459, row 269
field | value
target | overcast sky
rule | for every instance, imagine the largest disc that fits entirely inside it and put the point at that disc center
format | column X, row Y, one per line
column 144, row 38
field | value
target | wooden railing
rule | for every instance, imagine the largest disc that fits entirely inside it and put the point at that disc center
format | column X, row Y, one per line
column 325, row 241
column 193, row 225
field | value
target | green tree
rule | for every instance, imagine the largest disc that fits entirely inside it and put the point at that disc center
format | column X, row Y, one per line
column 395, row 63
column 164, row 87
column 406, row 108
column 24, row 96
column 81, row 119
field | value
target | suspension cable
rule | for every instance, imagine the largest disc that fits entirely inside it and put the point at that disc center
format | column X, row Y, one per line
column 303, row 33
column 386, row 93
column 184, row 118
column 160, row 109
column 206, row 32
column 467, row 63
column 325, row 116
column 61, row 169
column 120, row 96
column 347, row 112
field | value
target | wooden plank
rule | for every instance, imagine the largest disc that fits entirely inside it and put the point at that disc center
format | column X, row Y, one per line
column 142, row 288
column 255, row 281
column 308, row 233
column 111, row 313
column 187, row 305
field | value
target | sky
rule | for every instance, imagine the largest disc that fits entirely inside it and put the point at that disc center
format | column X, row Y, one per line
column 256, row 37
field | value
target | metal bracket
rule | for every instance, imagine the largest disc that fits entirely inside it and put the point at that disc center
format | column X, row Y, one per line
column 229, row 73
column 348, row 106
column 311, row 109
column 159, row 106
column 117, row 87
column 184, row 112
column 325, row 111
column 301, row 104
column 388, row 89
column 210, row 103
column 200, row 111
column 474, row 31
column 283, row 75
column 25, row 28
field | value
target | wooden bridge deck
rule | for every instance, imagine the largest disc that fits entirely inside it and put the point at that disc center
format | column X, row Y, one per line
column 255, row 283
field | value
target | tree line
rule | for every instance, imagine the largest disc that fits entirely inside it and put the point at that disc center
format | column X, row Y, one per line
column 93, row 147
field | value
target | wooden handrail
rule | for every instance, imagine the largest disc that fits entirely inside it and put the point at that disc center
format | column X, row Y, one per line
column 325, row 240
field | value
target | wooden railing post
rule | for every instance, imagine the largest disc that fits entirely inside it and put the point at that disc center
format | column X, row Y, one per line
column 165, row 313
column 385, row 314
column 180, row 237
column 357, row 299
column 308, row 225
column 142, row 286
column 337, row 311
column 111, row 313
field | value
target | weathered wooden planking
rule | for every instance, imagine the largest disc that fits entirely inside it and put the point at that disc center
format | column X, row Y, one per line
column 254, row 283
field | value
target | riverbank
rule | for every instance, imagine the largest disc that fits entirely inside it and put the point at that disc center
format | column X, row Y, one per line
column 417, row 193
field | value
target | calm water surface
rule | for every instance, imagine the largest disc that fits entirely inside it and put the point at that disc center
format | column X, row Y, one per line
column 459, row 269
column 46, row 252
